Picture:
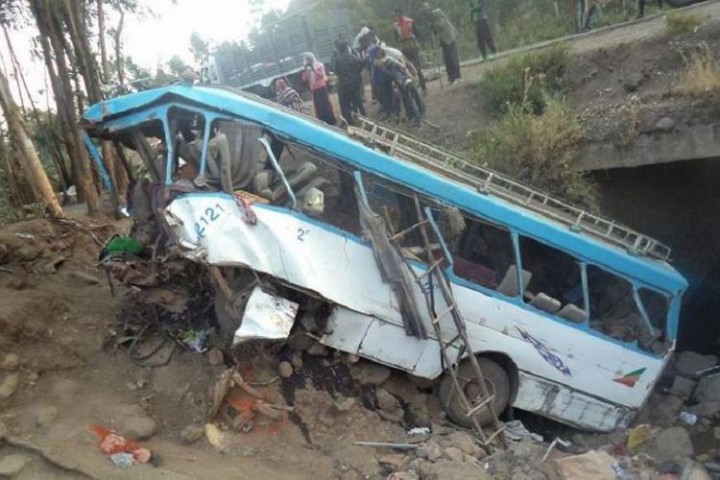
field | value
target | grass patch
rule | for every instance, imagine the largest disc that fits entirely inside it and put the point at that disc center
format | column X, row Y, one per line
column 526, row 80
column 701, row 78
column 677, row 23
column 539, row 150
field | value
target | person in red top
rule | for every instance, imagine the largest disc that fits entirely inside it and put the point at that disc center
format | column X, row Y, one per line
column 316, row 77
column 405, row 33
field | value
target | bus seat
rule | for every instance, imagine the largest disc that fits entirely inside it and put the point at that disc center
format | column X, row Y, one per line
column 509, row 284
column 546, row 303
column 296, row 179
column 573, row 313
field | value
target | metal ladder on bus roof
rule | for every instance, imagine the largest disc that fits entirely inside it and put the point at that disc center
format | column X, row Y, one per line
column 490, row 182
column 461, row 340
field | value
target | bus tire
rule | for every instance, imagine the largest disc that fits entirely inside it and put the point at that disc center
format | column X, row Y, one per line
column 496, row 380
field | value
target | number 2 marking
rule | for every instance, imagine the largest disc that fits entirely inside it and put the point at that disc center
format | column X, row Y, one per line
column 301, row 232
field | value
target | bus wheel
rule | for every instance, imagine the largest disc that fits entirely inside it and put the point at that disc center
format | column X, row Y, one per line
column 496, row 380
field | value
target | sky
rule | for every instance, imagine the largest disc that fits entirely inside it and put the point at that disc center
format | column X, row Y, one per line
column 152, row 40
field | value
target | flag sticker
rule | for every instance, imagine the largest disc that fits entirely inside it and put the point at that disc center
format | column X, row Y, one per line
column 630, row 379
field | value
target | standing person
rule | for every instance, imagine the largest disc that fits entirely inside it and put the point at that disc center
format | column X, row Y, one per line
column 287, row 96
column 405, row 33
column 315, row 76
column 348, row 68
column 479, row 16
column 445, row 32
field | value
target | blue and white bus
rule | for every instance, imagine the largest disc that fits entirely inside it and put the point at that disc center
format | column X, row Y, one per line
column 572, row 316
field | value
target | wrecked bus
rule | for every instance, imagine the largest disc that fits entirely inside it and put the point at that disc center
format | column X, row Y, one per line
column 571, row 315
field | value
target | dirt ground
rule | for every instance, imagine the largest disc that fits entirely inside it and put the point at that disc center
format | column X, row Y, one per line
column 58, row 312
column 605, row 66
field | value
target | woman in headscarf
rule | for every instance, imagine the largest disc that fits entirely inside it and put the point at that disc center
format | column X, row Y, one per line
column 288, row 96
column 315, row 76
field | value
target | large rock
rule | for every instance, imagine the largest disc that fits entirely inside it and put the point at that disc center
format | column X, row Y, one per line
column 687, row 363
column 11, row 465
column 448, row 470
column 372, row 373
column 682, row 386
column 9, row 385
column 671, row 444
column 192, row 434
column 708, row 389
column 593, row 465
column 10, row 362
column 461, row 440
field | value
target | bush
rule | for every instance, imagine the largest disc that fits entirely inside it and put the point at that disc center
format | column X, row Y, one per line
column 701, row 78
column 526, row 80
column 540, row 151
column 677, row 23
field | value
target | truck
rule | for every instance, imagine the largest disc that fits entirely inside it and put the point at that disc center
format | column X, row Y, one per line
column 275, row 50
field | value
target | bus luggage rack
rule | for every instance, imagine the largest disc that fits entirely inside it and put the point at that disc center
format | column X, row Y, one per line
column 492, row 183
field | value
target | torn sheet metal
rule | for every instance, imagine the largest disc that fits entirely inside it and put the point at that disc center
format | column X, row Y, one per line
column 267, row 317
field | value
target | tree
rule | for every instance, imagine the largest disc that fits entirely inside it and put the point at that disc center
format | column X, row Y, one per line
column 177, row 65
column 199, row 48
column 26, row 150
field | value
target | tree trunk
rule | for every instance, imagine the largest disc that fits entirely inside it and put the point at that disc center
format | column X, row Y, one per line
column 26, row 150
column 118, row 49
column 49, row 28
column 101, row 42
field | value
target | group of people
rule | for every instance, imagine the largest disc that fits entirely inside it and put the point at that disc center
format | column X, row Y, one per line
column 395, row 74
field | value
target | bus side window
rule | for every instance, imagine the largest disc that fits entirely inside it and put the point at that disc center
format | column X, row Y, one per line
column 556, row 282
column 483, row 253
column 614, row 310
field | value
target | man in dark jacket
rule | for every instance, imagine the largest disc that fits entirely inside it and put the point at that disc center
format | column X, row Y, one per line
column 479, row 17
column 348, row 68
column 406, row 35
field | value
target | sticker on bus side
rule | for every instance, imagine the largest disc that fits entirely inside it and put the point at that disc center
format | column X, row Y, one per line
column 630, row 379
column 545, row 352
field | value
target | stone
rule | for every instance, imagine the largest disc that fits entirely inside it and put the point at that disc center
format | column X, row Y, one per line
column 682, row 386
column 9, row 385
column 352, row 358
column 462, row 441
column 300, row 342
column 671, row 444
column 285, row 369
column 215, row 437
column 389, row 406
column 318, row 350
column 371, row 373
column 345, row 404
column 407, row 475
column 694, row 471
column 10, row 362
column 83, row 277
column 297, row 362
column 707, row 409
column 593, row 465
column 11, row 465
column 430, row 450
column 325, row 416
column 687, row 363
column 393, row 461
column 633, row 82
column 138, row 428
column 454, row 454
column 191, row 434
column 447, row 470
column 45, row 415
column 665, row 125
column 708, row 389
column 215, row 357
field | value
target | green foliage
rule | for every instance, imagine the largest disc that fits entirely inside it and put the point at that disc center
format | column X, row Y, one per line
column 677, row 23
column 177, row 65
column 199, row 48
column 526, row 80
column 538, row 150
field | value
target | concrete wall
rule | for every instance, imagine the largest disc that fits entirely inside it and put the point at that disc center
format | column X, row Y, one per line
column 681, row 143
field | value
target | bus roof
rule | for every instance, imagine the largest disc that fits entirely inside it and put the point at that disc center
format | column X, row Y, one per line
column 655, row 273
